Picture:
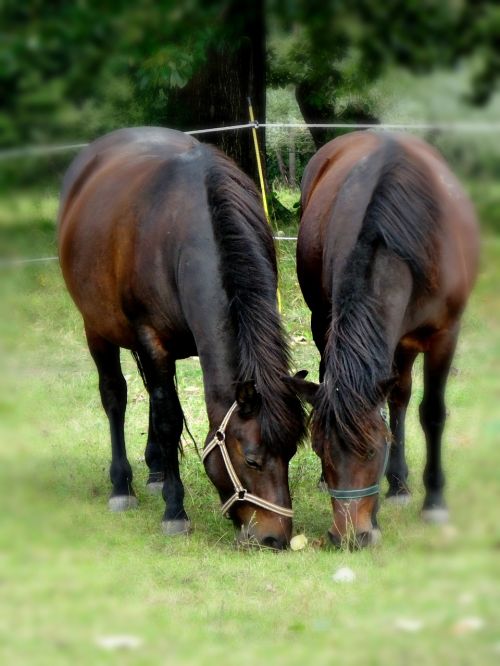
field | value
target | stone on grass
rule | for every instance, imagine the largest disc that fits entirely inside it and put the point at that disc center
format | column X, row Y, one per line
column 344, row 575
column 411, row 625
column 298, row 542
column 119, row 642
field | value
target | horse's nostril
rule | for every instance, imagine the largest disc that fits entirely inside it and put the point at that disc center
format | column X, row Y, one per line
column 274, row 543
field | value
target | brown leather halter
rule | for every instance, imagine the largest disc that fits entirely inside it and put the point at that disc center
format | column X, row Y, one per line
column 240, row 494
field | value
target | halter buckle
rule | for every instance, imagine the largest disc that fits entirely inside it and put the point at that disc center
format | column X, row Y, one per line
column 242, row 493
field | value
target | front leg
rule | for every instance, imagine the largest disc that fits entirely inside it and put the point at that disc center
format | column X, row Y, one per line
column 165, row 429
column 319, row 328
column 154, row 459
column 397, row 469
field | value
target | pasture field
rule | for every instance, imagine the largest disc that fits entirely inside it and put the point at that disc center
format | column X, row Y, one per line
column 73, row 575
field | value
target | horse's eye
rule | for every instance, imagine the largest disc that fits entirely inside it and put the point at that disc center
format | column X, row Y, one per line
column 371, row 454
column 253, row 463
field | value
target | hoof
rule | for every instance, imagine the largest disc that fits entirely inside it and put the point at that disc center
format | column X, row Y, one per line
column 176, row 527
column 155, row 487
column 399, row 500
column 436, row 516
column 376, row 536
column 120, row 503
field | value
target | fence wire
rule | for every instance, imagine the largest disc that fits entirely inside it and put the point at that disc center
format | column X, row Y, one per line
column 29, row 151
column 465, row 127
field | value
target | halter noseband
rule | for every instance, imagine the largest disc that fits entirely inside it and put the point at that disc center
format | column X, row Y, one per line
column 359, row 493
column 241, row 494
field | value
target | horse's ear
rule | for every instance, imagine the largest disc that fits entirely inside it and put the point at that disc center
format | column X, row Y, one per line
column 248, row 399
column 305, row 390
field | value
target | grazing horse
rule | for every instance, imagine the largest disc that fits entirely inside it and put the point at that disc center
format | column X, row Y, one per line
column 387, row 255
column 165, row 250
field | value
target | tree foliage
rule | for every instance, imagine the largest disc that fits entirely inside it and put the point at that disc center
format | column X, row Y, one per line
column 72, row 70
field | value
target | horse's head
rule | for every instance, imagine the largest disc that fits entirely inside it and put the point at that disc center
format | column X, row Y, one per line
column 252, row 480
column 351, row 475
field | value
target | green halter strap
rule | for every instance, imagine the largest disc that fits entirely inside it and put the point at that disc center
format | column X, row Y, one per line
column 359, row 493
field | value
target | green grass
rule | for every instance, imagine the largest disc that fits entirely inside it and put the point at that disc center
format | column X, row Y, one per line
column 70, row 572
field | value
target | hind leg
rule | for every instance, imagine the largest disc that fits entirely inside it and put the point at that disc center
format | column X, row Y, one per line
column 165, row 429
column 437, row 363
column 397, row 469
column 154, row 459
column 113, row 390
column 319, row 328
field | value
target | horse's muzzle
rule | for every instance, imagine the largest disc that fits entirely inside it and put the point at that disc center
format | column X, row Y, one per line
column 247, row 539
column 357, row 541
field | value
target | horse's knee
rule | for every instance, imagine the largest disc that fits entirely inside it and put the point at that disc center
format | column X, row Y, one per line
column 113, row 392
column 432, row 414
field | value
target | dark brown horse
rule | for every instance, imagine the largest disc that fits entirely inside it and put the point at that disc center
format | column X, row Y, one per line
column 386, row 258
column 166, row 251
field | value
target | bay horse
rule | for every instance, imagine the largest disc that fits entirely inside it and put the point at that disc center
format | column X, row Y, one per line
column 165, row 250
column 387, row 256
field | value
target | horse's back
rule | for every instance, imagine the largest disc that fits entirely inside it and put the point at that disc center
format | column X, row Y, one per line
column 128, row 200
column 126, row 141
column 323, row 180
column 458, row 224
column 337, row 187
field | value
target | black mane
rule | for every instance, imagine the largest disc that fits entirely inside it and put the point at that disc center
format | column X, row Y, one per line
column 249, row 275
column 401, row 216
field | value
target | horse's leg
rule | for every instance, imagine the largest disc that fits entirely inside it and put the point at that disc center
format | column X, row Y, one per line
column 397, row 469
column 154, row 459
column 437, row 363
column 319, row 327
column 113, row 390
column 166, row 422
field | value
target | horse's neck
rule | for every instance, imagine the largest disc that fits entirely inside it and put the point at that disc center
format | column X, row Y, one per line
column 217, row 351
column 390, row 285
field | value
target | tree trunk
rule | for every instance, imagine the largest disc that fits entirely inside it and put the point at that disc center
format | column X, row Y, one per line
column 217, row 94
column 315, row 111
column 281, row 166
column 292, row 161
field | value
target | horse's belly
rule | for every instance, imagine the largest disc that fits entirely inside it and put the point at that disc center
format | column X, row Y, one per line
column 105, row 319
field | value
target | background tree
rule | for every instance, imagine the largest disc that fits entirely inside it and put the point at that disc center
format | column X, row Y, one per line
column 333, row 52
column 75, row 70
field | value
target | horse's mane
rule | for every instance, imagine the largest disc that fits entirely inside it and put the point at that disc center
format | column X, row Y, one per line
column 249, row 275
column 401, row 216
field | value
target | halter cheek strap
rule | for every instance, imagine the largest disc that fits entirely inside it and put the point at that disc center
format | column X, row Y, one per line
column 359, row 493
column 240, row 494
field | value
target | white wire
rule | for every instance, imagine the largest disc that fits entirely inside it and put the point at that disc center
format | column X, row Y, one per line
column 11, row 153
column 27, row 151
column 226, row 128
column 449, row 126
column 7, row 263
